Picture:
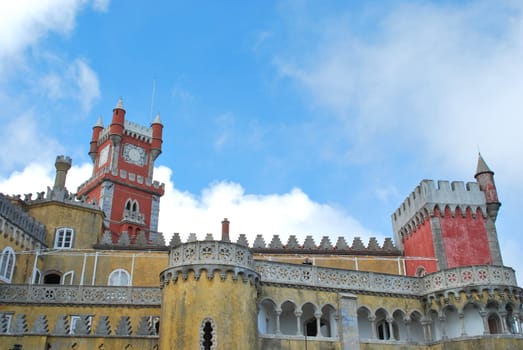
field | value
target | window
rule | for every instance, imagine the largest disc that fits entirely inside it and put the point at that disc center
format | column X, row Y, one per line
column 52, row 277
column 119, row 277
column 7, row 264
column 208, row 334
column 63, row 238
column 68, row 277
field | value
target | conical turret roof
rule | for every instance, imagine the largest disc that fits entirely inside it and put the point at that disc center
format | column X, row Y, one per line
column 482, row 166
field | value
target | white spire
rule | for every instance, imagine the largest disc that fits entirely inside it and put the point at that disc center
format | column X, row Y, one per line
column 157, row 119
column 119, row 104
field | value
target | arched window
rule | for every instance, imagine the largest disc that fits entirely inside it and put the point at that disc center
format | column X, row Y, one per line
column 494, row 324
column 52, row 278
column 7, row 264
column 267, row 317
column 420, row 271
column 208, row 334
column 68, row 277
column 63, row 238
column 119, row 277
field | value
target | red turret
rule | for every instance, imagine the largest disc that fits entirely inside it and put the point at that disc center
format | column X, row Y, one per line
column 117, row 124
column 93, row 149
column 156, row 146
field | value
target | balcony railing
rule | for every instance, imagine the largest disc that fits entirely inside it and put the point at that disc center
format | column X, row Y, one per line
column 83, row 295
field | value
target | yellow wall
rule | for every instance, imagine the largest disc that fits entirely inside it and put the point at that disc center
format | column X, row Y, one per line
column 231, row 304
column 87, row 222
column 383, row 264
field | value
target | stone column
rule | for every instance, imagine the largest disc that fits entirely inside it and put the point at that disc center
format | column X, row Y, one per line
column 372, row 320
column 298, row 322
column 407, row 321
column 442, row 327
column 389, row 324
column 278, row 313
column 504, row 327
column 427, row 330
column 348, row 322
column 461, row 316
column 483, row 315
column 317, row 314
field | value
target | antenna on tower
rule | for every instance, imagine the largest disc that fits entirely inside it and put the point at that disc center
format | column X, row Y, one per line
column 152, row 99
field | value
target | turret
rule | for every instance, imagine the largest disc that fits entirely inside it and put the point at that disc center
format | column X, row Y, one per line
column 485, row 178
column 117, row 124
column 156, row 147
column 93, row 148
column 62, row 165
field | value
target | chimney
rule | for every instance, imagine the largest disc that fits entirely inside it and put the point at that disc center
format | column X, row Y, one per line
column 225, row 230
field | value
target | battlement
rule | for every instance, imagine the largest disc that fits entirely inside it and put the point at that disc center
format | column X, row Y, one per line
column 135, row 130
column 19, row 218
column 426, row 197
column 64, row 159
column 309, row 246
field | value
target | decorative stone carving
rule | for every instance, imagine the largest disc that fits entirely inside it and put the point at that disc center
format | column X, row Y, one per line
column 62, row 326
column 124, row 326
column 41, row 325
column 292, row 243
column 145, row 327
column 325, row 243
column 141, row 240
column 357, row 244
column 259, row 242
column 341, row 244
column 103, row 327
column 19, row 326
column 124, row 240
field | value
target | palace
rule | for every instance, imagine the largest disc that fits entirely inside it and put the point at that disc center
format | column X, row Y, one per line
column 89, row 270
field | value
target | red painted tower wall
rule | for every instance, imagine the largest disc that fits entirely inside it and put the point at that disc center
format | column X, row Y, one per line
column 419, row 244
column 465, row 238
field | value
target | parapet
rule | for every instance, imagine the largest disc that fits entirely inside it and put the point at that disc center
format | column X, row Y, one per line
column 18, row 217
column 309, row 246
column 426, row 197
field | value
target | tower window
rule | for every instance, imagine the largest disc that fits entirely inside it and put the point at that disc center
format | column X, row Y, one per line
column 208, row 334
column 7, row 264
column 119, row 277
column 63, row 238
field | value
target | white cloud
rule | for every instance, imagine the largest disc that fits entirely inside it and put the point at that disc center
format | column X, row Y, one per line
column 283, row 214
column 435, row 80
column 183, row 212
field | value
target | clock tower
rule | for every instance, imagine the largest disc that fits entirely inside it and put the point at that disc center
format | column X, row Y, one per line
column 122, row 183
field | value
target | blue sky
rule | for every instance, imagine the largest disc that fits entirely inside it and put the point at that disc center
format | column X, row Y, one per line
column 288, row 117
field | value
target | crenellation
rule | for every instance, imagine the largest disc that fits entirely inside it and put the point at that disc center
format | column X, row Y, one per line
column 430, row 196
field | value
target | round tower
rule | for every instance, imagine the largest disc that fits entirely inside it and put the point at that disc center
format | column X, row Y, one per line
column 485, row 178
column 93, row 147
column 209, row 294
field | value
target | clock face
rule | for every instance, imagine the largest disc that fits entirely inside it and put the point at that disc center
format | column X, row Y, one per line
column 134, row 154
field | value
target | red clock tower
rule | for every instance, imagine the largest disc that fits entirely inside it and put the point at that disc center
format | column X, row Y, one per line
column 122, row 181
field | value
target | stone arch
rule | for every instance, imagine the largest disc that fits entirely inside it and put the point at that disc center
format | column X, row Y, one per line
column 288, row 322
column 512, row 318
column 328, row 318
column 365, row 322
column 452, row 322
column 52, row 277
column 472, row 319
column 415, row 330
column 435, row 325
column 384, row 329
column 399, row 328
column 310, row 316
column 267, row 316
